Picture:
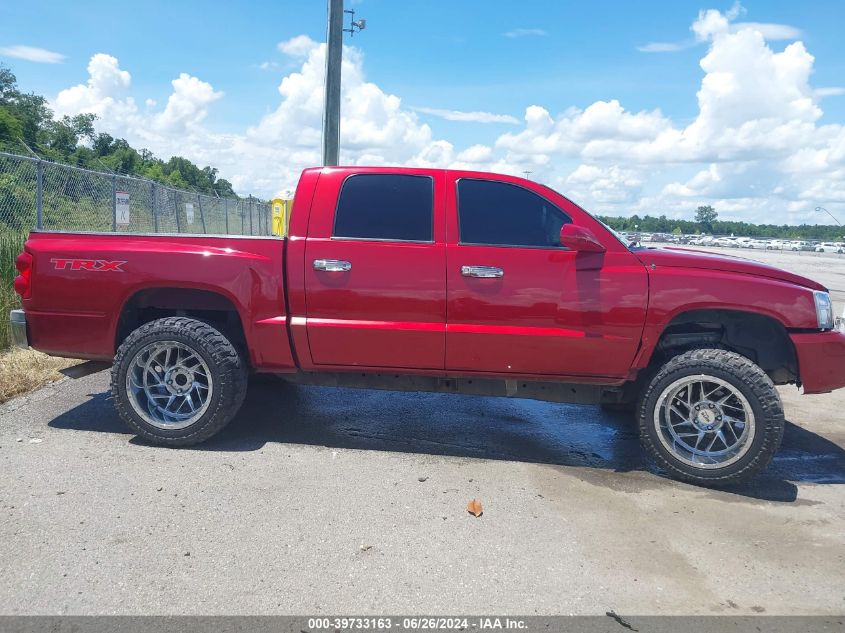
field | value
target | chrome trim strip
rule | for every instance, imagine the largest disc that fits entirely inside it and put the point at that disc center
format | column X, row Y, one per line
column 482, row 272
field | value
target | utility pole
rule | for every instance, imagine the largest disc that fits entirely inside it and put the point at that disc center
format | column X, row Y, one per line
column 334, row 58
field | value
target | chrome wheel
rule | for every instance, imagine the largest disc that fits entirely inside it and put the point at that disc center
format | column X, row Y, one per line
column 169, row 385
column 704, row 421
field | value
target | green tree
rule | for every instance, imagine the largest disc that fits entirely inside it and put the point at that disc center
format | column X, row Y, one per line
column 8, row 85
column 706, row 216
column 102, row 144
column 224, row 188
column 10, row 128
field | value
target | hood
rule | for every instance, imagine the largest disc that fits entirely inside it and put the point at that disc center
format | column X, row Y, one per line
column 690, row 258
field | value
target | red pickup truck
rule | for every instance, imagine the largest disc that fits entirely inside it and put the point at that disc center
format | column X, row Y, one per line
column 439, row 280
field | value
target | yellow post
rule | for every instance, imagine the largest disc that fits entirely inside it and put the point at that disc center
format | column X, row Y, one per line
column 281, row 215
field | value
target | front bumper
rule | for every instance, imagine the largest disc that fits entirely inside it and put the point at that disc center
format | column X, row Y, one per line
column 821, row 360
column 17, row 325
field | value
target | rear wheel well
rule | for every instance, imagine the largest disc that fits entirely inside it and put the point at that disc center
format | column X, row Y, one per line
column 204, row 305
column 759, row 338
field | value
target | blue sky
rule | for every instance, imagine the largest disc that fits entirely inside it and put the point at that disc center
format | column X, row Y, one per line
column 493, row 57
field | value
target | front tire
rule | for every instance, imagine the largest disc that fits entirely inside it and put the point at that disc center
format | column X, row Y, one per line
column 711, row 417
column 177, row 381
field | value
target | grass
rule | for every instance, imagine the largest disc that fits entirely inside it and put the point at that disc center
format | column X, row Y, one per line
column 11, row 244
column 22, row 371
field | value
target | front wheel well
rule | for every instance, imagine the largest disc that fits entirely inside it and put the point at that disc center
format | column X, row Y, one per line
column 204, row 305
column 760, row 338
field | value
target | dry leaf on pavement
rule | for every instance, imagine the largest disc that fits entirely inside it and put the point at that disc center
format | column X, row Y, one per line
column 474, row 508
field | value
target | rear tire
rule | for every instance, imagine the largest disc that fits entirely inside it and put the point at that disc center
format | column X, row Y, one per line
column 711, row 417
column 178, row 381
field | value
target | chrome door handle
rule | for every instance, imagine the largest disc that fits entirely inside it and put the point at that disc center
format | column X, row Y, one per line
column 332, row 265
column 484, row 272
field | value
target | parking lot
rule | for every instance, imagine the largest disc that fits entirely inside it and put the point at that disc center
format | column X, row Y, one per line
column 320, row 500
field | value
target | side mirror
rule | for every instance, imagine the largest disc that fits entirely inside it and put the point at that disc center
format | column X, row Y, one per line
column 577, row 238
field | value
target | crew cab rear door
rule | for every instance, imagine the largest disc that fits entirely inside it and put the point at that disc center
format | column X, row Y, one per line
column 518, row 301
column 375, row 277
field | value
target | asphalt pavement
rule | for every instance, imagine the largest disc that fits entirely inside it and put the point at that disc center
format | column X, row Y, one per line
column 318, row 500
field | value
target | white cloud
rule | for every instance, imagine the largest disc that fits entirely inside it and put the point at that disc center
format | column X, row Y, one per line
column 526, row 33
column 32, row 54
column 712, row 22
column 770, row 31
column 612, row 184
column 832, row 91
column 476, row 154
column 665, row 47
column 105, row 94
column 268, row 156
column 475, row 117
column 188, row 105
column 755, row 149
column 299, row 46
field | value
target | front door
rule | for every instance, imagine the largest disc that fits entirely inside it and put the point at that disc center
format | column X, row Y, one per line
column 375, row 278
column 520, row 303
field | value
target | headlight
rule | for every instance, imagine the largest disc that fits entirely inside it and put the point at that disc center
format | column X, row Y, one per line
column 824, row 310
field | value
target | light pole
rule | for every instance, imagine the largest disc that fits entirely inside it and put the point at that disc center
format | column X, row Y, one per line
column 830, row 214
column 334, row 60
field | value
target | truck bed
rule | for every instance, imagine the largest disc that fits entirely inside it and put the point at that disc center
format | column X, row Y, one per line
column 86, row 285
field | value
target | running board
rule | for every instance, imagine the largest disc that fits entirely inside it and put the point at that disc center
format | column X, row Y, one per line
column 532, row 390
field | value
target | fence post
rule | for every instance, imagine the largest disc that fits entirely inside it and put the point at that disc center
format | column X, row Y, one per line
column 153, row 205
column 250, row 214
column 114, row 203
column 176, row 209
column 226, row 213
column 243, row 214
column 39, row 194
column 202, row 217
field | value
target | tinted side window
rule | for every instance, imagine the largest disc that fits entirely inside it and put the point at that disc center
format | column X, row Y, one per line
column 501, row 214
column 385, row 207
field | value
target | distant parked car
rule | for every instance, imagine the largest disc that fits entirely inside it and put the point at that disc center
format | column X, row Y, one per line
column 801, row 246
column 829, row 247
column 775, row 245
column 763, row 244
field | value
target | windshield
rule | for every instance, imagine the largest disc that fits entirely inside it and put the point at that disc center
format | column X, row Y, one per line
column 618, row 236
column 626, row 243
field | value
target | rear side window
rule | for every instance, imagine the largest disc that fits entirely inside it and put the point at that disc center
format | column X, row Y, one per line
column 385, row 207
column 500, row 214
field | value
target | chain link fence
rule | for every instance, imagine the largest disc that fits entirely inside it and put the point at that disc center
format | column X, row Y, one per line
column 40, row 194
